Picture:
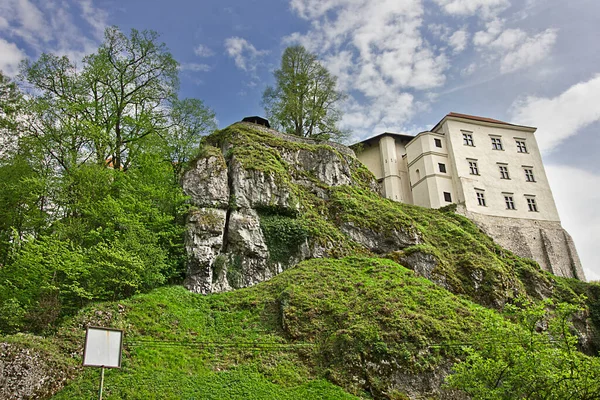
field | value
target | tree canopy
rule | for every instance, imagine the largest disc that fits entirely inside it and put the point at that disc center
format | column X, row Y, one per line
column 89, row 178
column 305, row 100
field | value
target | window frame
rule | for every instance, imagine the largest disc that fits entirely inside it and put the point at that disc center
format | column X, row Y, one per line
column 521, row 146
column 480, row 196
column 532, row 205
column 442, row 168
column 509, row 201
column 437, row 142
column 497, row 143
column 529, row 175
column 504, row 174
column 473, row 166
column 468, row 139
column 448, row 199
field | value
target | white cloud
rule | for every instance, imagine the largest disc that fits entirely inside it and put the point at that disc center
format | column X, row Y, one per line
column 458, row 40
column 576, row 193
column 485, row 37
column 529, row 51
column 203, row 51
column 95, row 17
column 245, row 55
column 515, row 48
column 10, row 57
column 48, row 26
column 469, row 69
column 195, row 67
column 485, row 8
column 377, row 50
column 560, row 117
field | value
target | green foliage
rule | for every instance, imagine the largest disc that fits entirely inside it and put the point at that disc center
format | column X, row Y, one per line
column 533, row 359
column 325, row 318
column 92, row 207
column 304, row 100
column 283, row 236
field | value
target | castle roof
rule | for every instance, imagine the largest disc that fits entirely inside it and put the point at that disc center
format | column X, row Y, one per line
column 454, row 115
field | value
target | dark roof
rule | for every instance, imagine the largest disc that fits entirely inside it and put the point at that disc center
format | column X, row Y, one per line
column 257, row 120
column 406, row 137
column 474, row 118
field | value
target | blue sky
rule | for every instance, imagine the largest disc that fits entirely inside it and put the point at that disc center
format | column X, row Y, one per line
column 404, row 63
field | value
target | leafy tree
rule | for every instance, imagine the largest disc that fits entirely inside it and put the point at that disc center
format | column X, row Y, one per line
column 11, row 104
column 535, row 358
column 189, row 120
column 90, row 207
column 304, row 100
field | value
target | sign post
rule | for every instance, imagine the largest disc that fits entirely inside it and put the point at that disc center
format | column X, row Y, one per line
column 103, row 348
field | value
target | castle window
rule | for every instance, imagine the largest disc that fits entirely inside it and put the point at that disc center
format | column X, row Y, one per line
column 503, row 172
column 480, row 198
column 468, row 139
column 510, row 203
column 531, row 204
column 529, row 175
column 442, row 167
column 521, row 147
column 447, row 197
column 438, row 143
column 496, row 143
column 473, row 169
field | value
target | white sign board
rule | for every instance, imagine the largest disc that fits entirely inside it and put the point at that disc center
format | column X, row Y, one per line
column 102, row 347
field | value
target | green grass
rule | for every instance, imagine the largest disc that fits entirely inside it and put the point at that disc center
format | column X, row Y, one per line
column 321, row 322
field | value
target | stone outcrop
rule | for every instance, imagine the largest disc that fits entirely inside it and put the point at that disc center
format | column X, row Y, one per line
column 235, row 180
column 28, row 373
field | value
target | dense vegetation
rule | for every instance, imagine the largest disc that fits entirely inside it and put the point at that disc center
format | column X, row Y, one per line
column 89, row 179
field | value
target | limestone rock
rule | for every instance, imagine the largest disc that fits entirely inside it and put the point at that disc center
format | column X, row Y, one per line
column 381, row 242
column 203, row 243
column 238, row 178
column 424, row 265
column 206, row 182
column 253, row 188
column 27, row 373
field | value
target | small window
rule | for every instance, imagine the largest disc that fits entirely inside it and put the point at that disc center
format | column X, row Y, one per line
column 521, row 147
column 480, row 199
column 447, row 197
column 503, row 172
column 529, row 175
column 473, row 169
column 531, row 204
column 438, row 143
column 496, row 144
column 418, row 173
column 510, row 202
column 468, row 139
column 442, row 167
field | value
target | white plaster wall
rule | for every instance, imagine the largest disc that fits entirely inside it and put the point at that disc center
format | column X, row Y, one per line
column 371, row 157
column 489, row 178
column 422, row 154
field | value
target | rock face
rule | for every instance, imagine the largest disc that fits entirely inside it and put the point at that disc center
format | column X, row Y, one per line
column 247, row 173
column 26, row 373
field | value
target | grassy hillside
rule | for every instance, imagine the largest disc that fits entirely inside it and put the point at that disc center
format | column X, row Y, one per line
column 281, row 339
column 355, row 325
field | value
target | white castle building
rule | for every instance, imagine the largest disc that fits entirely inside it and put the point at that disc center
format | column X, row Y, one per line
column 491, row 169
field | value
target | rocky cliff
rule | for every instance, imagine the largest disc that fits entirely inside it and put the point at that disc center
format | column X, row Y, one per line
column 255, row 193
column 264, row 201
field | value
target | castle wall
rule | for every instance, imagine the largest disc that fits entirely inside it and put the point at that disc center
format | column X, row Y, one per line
column 543, row 241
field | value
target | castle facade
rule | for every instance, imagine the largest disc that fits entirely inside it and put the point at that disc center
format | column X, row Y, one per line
column 491, row 170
